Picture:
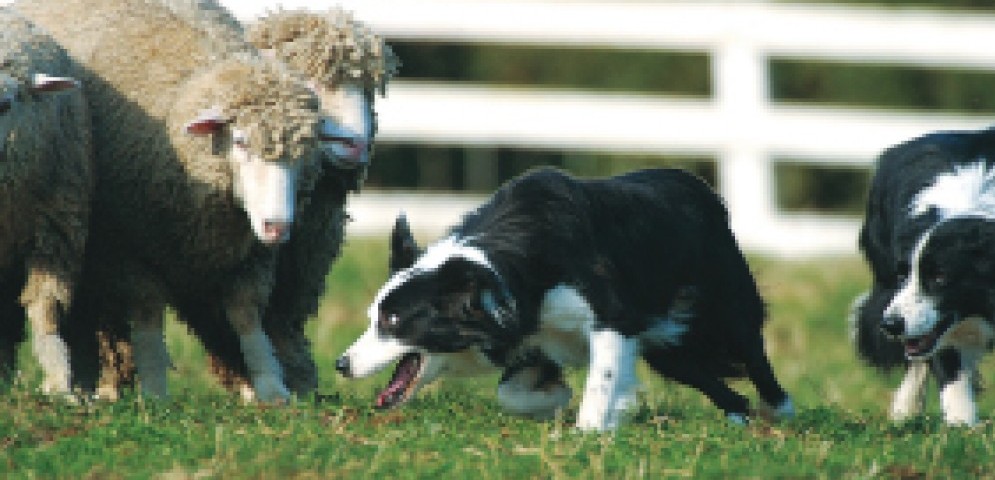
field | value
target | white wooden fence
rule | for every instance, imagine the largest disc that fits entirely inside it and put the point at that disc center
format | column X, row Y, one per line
column 739, row 124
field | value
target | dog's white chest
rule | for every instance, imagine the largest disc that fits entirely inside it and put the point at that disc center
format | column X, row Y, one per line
column 565, row 321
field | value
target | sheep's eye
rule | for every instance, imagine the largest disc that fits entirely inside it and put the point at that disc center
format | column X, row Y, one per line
column 240, row 142
column 346, row 141
column 5, row 105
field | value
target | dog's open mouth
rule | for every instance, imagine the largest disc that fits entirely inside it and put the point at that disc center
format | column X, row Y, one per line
column 403, row 382
column 924, row 345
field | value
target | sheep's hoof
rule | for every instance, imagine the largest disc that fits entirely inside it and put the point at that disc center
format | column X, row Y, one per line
column 270, row 389
column 56, row 387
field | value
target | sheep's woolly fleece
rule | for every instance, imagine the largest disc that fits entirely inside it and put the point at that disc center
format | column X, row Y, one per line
column 24, row 51
column 287, row 117
column 45, row 186
column 332, row 48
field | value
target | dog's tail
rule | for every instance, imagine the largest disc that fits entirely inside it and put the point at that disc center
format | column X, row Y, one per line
column 865, row 320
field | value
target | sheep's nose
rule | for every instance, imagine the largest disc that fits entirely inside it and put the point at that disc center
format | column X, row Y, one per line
column 343, row 367
column 893, row 325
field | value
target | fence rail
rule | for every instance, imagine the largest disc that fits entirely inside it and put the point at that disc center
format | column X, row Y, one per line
column 738, row 124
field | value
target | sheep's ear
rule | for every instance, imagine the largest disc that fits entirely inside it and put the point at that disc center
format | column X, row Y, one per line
column 208, row 121
column 403, row 249
column 42, row 83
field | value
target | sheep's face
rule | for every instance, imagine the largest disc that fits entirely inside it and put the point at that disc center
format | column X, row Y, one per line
column 346, row 127
column 265, row 189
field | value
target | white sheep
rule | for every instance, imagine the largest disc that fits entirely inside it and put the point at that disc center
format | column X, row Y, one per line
column 347, row 66
column 45, row 184
column 200, row 148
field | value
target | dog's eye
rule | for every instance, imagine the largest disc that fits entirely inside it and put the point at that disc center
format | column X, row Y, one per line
column 938, row 281
column 388, row 322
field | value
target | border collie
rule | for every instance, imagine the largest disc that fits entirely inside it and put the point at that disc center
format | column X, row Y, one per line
column 929, row 238
column 554, row 272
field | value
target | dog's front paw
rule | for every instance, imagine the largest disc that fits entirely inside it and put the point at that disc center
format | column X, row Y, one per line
column 603, row 414
column 270, row 389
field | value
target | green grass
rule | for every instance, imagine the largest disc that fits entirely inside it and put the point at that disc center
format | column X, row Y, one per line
column 455, row 429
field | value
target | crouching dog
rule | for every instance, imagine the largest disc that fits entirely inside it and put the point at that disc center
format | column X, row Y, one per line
column 556, row 272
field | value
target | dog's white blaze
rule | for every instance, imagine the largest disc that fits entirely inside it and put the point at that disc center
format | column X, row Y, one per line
column 910, row 396
column 434, row 257
column 373, row 351
column 917, row 310
column 518, row 396
column 611, row 380
column 967, row 191
column 267, row 191
column 565, row 320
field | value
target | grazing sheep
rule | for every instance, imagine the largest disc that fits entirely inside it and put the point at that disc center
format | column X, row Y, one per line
column 201, row 147
column 347, row 65
column 45, row 184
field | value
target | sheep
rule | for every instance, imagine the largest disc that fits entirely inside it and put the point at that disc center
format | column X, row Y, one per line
column 45, row 184
column 347, row 65
column 201, row 149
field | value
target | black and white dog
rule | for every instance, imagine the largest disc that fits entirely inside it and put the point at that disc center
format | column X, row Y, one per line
column 929, row 238
column 554, row 272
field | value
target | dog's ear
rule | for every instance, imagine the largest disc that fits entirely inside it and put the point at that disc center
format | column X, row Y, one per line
column 403, row 249
column 482, row 289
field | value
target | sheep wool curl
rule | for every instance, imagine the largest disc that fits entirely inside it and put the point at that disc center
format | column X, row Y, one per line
column 174, row 225
column 45, row 186
column 331, row 49
column 260, row 97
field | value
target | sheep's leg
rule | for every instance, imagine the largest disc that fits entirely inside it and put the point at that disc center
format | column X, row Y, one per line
column 149, row 351
column 301, row 270
column 42, row 296
column 264, row 369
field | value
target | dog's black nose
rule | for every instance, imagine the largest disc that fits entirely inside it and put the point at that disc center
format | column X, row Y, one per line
column 342, row 365
column 893, row 325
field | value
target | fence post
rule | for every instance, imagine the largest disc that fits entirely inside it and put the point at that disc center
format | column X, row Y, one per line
column 739, row 78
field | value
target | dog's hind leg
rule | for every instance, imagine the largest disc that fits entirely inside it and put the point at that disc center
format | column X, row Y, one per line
column 611, row 380
column 534, row 388
column 762, row 375
column 955, row 371
column 909, row 397
column 735, row 406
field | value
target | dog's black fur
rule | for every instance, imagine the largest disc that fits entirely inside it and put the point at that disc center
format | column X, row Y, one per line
column 951, row 257
column 890, row 233
column 639, row 248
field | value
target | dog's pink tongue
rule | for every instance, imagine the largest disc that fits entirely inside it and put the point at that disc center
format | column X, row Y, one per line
column 404, row 374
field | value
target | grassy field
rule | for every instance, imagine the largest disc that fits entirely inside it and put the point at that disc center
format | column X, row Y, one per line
column 455, row 430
